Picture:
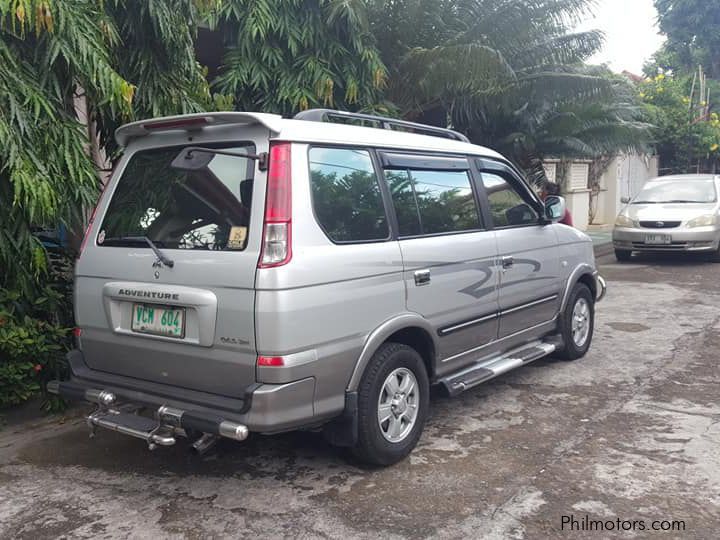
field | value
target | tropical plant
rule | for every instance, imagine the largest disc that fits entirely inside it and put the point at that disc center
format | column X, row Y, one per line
column 530, row 129
column 123, row 59
column 691, row 27
column 34, row 336
column 287, row 55
column 510, row 73
column 70, row 72
column 687, row 129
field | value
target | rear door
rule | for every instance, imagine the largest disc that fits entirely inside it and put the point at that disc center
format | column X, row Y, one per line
column 448, row 255
column 528, row 255
column 189, row 323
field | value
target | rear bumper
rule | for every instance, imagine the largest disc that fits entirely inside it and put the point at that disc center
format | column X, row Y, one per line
column 264, row 408
column 167, row 422
column 699, row 239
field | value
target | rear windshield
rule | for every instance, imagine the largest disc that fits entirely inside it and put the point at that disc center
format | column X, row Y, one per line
column 677, row 191
column 207, row 209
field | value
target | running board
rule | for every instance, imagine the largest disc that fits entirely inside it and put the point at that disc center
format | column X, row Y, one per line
column 487, row 369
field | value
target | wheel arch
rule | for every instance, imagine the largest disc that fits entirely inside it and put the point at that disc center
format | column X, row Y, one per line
column 410, row 329
column 584, row 274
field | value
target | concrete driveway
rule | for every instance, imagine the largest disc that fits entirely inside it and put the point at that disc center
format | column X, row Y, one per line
column 631, row 433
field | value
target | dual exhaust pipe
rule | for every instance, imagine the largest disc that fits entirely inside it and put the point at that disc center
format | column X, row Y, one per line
column 168, row 421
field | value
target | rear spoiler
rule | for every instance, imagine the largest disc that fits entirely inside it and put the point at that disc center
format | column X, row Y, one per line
column 195, row 122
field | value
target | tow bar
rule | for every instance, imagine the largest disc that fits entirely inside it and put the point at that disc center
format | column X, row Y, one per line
column 168, row 422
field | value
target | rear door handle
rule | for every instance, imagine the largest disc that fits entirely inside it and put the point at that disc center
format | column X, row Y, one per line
column 422, row 277
column 507, row 262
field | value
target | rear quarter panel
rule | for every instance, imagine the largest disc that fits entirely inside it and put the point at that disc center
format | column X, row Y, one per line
column 328, row 299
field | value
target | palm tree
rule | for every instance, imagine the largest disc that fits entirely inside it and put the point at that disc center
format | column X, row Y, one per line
column 509, row 73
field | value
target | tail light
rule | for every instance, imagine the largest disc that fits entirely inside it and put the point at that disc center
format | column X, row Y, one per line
column 277, row 228
column 77, row 333
column 270, row 361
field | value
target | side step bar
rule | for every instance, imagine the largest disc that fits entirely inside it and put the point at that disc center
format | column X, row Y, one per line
column 161, row 431
column 487, row 369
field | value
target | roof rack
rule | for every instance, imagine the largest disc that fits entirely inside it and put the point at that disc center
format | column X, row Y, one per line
column 383, row 122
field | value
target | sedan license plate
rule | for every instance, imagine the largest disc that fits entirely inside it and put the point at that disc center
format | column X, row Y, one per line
column 158, row 320
column 657, row 239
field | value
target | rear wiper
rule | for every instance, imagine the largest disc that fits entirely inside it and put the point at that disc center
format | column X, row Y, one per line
column 644, row 202
column 161, row 257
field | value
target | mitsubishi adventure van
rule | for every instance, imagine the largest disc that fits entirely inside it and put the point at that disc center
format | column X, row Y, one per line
column 245, row 273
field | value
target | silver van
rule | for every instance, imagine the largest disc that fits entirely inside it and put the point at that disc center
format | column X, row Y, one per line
column 248, row 273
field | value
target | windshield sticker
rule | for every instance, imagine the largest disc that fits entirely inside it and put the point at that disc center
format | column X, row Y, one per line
column 101, row 237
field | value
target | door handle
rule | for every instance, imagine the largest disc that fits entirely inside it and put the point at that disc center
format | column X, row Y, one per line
column 422, row 277
column 507, row 262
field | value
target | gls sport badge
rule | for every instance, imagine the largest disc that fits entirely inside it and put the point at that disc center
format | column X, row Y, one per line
column 233, row 341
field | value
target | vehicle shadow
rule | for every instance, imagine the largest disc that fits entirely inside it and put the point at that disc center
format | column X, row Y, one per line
column 277, row 456
column 670, row 259
column 258, row 456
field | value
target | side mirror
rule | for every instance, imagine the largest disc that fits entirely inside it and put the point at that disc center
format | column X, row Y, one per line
column 555, row 208
column 625, row 200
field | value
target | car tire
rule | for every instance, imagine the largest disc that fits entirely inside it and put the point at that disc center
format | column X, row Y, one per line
column 399, row 368
column 623, row 255
column 577, row 323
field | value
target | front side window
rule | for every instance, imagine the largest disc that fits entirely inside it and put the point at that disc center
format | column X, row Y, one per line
column 507, row 206
column 432, row 202
column 206, row 209
column 346, row 195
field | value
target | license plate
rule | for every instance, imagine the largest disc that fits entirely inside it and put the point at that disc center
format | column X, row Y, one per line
column 158, row 320
column 657, row 239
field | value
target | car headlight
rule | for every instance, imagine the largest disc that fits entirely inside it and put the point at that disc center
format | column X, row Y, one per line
column 703, row 221
column 624, row 221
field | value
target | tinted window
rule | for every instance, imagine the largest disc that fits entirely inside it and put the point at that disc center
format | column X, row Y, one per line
column 346, row 195
column 203, row 209
column 403, row 197
column 432, row 202
column 508, row 208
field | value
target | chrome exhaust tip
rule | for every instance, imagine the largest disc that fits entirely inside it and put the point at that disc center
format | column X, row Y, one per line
column 231, row 430
column 203, row 444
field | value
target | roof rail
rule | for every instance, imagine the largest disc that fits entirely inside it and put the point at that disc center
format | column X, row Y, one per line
column 383, row 122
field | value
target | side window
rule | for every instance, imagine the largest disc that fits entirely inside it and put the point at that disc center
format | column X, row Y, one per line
column 346, row 195
column 432, row 202
column 403, row 196
column 508, row 208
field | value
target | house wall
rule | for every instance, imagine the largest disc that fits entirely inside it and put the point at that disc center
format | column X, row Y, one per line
column 624, row 177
